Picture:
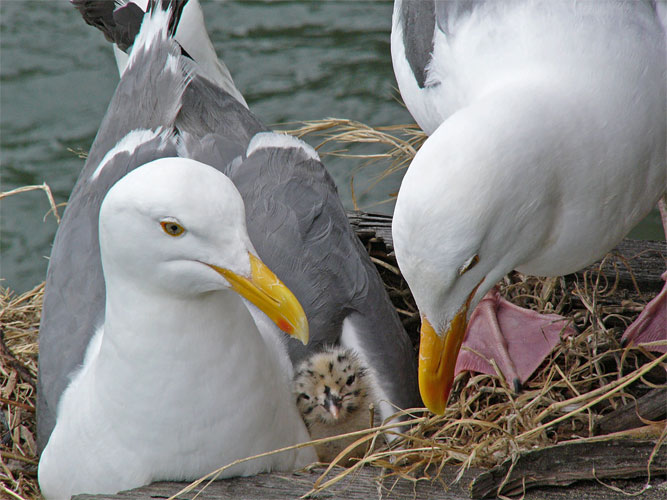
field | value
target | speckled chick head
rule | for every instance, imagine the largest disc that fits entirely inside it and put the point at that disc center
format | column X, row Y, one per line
column 330, row 386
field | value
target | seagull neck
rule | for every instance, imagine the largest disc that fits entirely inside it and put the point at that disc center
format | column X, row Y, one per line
column 150, row 336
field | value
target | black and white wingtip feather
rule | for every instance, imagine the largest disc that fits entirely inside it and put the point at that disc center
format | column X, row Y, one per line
column 120, row 21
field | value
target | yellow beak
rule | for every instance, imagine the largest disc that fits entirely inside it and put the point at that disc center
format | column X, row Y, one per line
column 437, row 358
column 271, row 296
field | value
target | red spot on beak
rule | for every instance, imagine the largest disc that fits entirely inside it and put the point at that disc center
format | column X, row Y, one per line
column 285, row 326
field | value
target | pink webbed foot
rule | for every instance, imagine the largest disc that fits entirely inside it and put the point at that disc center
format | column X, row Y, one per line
column 517, row 339
column 651, row 324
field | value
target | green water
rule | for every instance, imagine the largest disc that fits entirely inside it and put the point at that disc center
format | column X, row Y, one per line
column 292, row 60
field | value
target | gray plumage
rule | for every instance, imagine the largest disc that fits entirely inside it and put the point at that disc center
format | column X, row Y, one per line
column 294, row 216
column 74, row 296
column 418, row 22
column 120, row 21
column 421, row 19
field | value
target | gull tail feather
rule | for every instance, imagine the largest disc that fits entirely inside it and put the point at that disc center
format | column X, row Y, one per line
column 150, row 92
column 121, row 20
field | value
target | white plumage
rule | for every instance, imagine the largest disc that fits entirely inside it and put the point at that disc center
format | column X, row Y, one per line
column 178, row 381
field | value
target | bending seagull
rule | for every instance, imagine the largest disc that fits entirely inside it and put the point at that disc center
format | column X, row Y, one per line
column 164, row 107
column 177, row 261
column 547, row 145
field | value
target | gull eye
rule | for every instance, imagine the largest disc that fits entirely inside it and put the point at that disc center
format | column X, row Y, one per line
column 350, row 380
column 172, row 228
column 468, row 264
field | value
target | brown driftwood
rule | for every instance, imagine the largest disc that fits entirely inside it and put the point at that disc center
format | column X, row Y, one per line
column 651, row 406
column 619, row 455
column 367, row 485
column 644, row 260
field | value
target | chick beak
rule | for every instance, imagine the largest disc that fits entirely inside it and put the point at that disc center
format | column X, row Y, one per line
column 333, row 404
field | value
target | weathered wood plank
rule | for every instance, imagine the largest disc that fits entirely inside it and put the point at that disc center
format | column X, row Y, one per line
column 366, row 485
column 561, row 465
column 651, row 406
column 645, row 260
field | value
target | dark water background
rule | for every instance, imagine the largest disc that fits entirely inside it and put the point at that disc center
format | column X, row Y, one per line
column 292, row 60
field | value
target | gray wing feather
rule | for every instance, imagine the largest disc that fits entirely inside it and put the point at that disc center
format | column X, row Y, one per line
column 119, row 24
column 418, row 23
column 75, row 294
column 206, row 108
column 419, row 20
column 448, row 13
column 147, row 97
column 120, row 21
column 133, row 106
column 299, row 228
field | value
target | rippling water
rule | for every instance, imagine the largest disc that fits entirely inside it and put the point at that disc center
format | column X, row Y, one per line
column 292, row 60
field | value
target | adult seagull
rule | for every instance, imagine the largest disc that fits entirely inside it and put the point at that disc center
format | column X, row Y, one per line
column 547, row 145
column 178, row 380
column 165, row 107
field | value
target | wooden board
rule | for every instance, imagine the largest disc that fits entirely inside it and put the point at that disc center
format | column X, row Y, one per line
column 651, row 406
column 366, row 485
column 600, row 458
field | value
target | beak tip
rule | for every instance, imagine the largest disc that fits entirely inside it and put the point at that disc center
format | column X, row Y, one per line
column 265, row 290
column 302, row 332
column 303, row 338
column 437, row 403
column 437, row 360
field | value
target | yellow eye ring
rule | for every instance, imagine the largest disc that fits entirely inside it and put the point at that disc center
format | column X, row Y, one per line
column 172, row 228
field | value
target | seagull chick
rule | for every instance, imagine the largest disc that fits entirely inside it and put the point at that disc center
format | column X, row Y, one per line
column 334, row 395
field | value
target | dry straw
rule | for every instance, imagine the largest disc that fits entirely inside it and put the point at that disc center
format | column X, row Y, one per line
column 587, row 375
column 396, row 146
column 19, row 324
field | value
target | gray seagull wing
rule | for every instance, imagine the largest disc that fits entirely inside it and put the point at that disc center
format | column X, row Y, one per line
column 134, row 131
column 420, row 21
column 299, row 228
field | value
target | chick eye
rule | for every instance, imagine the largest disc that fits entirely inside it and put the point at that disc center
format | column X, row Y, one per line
column 172, row 228
column 350, row 380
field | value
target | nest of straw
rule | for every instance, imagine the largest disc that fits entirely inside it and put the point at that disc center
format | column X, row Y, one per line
column 19, row 326
column 586, row 376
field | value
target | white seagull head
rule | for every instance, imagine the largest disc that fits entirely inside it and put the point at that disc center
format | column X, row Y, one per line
column 176, row 227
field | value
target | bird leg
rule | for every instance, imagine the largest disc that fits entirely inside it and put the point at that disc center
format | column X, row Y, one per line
column 651, row 324
column 517, row 339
